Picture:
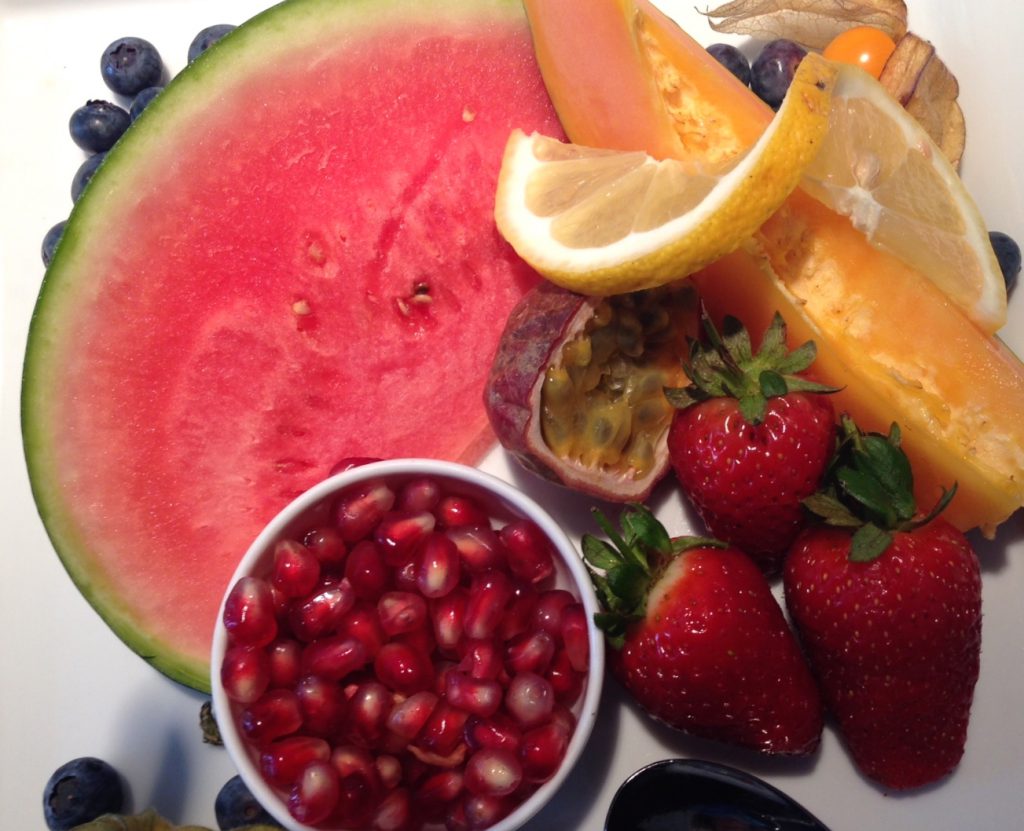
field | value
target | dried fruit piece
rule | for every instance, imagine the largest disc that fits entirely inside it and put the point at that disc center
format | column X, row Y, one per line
column 812, row 23
column 575, row 391
column 916, row 77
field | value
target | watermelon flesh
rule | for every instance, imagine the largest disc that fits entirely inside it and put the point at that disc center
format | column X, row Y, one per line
column 289, row 260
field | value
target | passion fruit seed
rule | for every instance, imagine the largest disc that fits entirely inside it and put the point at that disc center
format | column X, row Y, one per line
column 602, row 405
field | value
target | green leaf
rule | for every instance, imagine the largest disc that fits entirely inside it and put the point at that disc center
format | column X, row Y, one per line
column 865, row 489
column 736, row 341
column 641, row 526
column 799, row 359
column 599, row 553
column 628, row 582
column 868, row 543
column 831, row 510
column 683, row 397
column 772, row 384
column 752, row 407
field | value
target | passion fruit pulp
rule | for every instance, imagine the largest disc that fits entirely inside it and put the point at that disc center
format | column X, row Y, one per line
column 576, row 390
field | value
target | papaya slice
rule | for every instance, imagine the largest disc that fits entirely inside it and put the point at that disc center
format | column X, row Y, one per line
column 897, row 346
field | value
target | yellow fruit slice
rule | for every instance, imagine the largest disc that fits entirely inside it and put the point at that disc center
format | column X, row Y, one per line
column 604, row 222
column 880, row 168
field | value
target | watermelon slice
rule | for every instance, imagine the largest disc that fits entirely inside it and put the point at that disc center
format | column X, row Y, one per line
column 288, row 260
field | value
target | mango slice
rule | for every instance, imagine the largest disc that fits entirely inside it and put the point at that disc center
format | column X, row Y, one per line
column 623, row 75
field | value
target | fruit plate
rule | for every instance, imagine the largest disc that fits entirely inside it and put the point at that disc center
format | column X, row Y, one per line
column 70, row 688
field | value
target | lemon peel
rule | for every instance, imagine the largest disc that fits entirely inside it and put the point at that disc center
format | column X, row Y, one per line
column 603, row 222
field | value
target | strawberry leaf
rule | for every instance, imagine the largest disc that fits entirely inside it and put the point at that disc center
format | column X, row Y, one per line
column 868, row 543
column 628, row 582
column 831, row 510
column 598, row 553
column 725, row 366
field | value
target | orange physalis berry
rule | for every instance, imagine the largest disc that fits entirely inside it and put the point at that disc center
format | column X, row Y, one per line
column 863, row 46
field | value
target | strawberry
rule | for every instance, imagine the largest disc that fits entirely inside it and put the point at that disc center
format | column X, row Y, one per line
column 888, row 605
column 698, row 639
column 751, row 437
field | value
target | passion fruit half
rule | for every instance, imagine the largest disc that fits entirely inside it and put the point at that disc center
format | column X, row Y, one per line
column 576, row 390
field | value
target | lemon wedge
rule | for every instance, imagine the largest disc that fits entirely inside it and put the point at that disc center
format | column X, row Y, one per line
column 879, row 167
column 603, row 222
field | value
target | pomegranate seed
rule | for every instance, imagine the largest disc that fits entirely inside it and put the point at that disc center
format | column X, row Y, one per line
column 401, row 611
column 367, row 712
column 327, row 546
column 296, row 571
column 363, row 624
column 548, row 613
column 529, row 698
column 249, row 613
column 484, row 810
column 482, row 659
column 436, row 792
column 283, row 761
column 360, row 508
column 478, row 546
column 403, row 669
column 322, row 612
column 442, row 733
column 542, row 751
column 493, row 771
column 566, row 682
column 531, row 555
column 498, row 731
column 518, row 617
column 489, row 594
column 576, row 636
column 274, row 714
column 438, row 568
column 530, row 652
column 315, row 795
column 407, row 718
column 284, row 657
column 389, row 770
column 349, row 760
column 404, row 577
column 421, row 640
column 322, row 704
column 477, row 697
column 448, row 614
column 563, row 716
column 245, row 673
column 454, row 510
column 419, row 494
column 357, row 801
column 400, row 532
column 334, row 658
column 366, row 570
column 455, row 817
column 394, row 813
column 350, row 462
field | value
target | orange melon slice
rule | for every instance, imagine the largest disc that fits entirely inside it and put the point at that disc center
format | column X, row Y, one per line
column 623, row 75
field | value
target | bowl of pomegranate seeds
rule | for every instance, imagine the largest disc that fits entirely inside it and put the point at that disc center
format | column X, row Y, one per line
column 409, row 644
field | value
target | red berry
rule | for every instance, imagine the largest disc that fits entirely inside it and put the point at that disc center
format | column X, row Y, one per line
column 419, row 494
column 322, row 612
column 542, row 751
column 575, row 634
column 249, row 613
column 283, row 761
column 438, row 566
column 400, row 532
column 334, row 658
column 409, row 717
column 493, row 771
column 366, row 570
column 315, row 795
column 326, row 545
column 529, row 698
column 403, row 669
column 359, row 509
column 475, row 696
column 489, row 594
column 295, row 571
column 531, row 555
column 323, row 706
column 245, row 673
column 401, row 611
column 455, row 510
column 274, row 714
column 478, row 546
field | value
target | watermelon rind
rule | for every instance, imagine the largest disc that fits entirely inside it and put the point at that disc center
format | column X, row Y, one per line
column 281, row 31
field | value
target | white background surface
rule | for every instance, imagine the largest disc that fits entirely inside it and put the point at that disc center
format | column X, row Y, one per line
column 68, row 687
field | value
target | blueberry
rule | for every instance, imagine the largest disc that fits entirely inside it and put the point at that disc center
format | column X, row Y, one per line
column 96, row 125
column 129, row 65
column 141, row 101
column 235, row 806
column 772, row 70
column 206, row 38
column 1008, row 254
column 732, row 59
column 51, row 239
column 84, row 173
column 79, row 791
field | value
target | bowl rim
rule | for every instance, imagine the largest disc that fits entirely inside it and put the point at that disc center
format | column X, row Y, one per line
column 507, row 494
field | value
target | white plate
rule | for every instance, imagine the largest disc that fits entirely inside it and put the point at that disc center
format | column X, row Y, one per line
column 68, row 687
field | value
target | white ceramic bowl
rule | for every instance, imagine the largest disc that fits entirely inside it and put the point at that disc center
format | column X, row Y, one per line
column 504, row 502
